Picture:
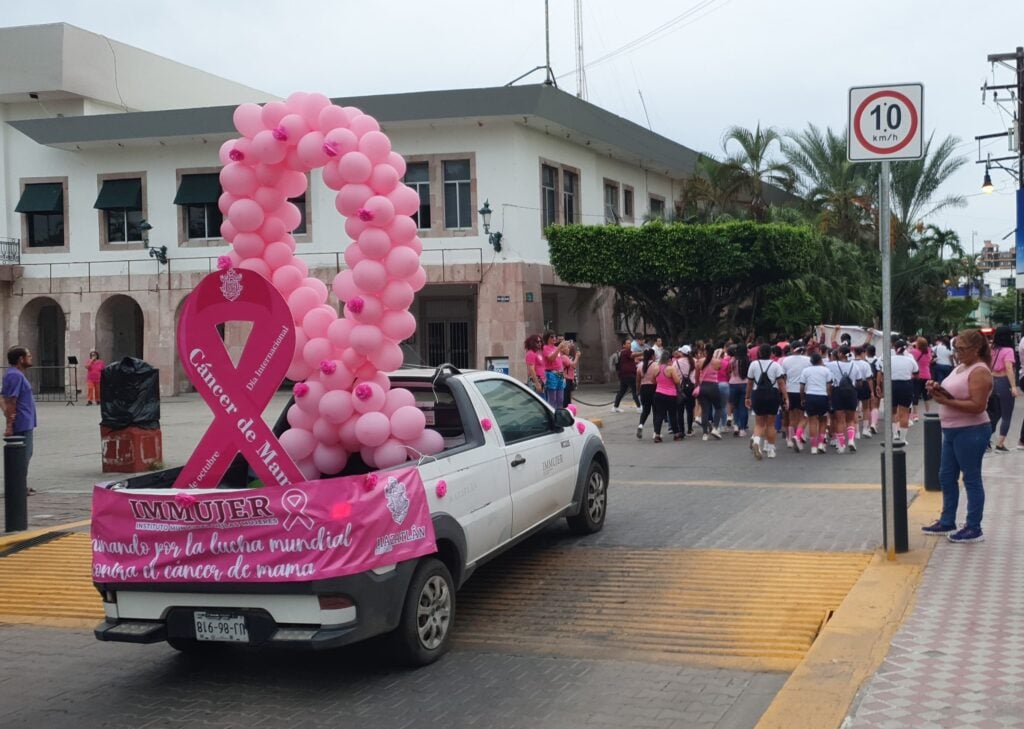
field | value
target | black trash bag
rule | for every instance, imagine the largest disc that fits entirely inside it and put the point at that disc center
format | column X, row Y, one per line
column 130, row 395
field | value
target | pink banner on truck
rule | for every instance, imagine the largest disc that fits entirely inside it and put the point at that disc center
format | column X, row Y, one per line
column 311, row 530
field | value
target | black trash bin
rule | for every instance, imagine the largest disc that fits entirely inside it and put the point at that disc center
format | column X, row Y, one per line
column 130, row 435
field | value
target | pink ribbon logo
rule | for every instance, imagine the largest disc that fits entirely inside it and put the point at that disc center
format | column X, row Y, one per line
column 238, row 395
column 295, row 502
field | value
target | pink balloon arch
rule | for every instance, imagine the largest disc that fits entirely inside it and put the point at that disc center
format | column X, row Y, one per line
column 344, row 402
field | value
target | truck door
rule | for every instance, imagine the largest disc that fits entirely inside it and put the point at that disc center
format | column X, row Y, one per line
column 539, row 454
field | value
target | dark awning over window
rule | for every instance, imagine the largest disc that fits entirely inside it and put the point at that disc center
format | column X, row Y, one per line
column 120, row 195
column 41, row 197
column 198, row 189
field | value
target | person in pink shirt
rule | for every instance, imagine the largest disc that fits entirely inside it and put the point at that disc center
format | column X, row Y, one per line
column 922, row 354
column 570, row 362
column 94, row 369
column 554, row 377
column 535, row 369
column 1004, row 383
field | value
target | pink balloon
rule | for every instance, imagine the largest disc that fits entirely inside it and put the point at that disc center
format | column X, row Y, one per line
column 309, row 402
column 298, row 370
column 364, row 124
column 247, row 119
column 331, row 176
column 372, row 429
column 331, row 117
column 370, row 313
column 365, row 338
column 369, row 275
column 224, row 202
column 239, row 179
column 268, row 174
column 292, row 183
column 236, row 259
column 298, row 443
column 325, row 431
column 391, row 453
column 299, row 418
column 316, row 351
column 268, row 149
column 376, row 146
column 402, row 229
column 301, row 265
column 273, row 113
column 406, row 201
column 289, row 215
column 286, row 279
column 354, row 227
column 418, row 279
column 397, row 398
column 294, row 126
column 353, row 254
column 407, row 423
column 388, row 358
column 368, row 397
column 340, row 379
column 276, row 255
column 355, row 167
column 366, row 372
column 352, row 359
column 342, row 141
column 374, row 243
column 402, row 262
column 397, row 325
column 397, row 295
column 224, row 153
column 311, row 108
column 245, row 215
column 256, row 265
column 248, row 245
column 227, row 230
column 381, row 379
column 292, row 161
column 381, row 210
column 316, row 321
column 347, row 434
column 301, row 301
column 344, row 287
column 269, row 198
column 336, row 406
column 366, row 453
column 352, row 197
column 384, row 179
column 339, row 331
column 415, row 243
column 396, row 160
column 295, row 100
column 273, row 229
column 330, row 459
column 308, row 469
column 429, row 443
column 318, row 286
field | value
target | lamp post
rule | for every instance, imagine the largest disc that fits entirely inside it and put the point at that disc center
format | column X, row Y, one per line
column 160, row 254
column 493, row 238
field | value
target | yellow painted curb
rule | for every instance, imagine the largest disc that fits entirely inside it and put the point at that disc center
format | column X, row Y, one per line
column 854, row 643
column 9, row 540
column 599, row 422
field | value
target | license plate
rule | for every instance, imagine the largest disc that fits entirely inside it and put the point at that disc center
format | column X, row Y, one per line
column 221, row 627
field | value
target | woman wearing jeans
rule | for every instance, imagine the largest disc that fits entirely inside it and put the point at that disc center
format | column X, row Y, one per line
column 1004, row 383
column 962, row 398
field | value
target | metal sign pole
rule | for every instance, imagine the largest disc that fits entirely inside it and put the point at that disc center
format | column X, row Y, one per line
column 889, row 496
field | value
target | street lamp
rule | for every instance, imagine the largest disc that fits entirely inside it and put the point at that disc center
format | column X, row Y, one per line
column 160, row 254
column 493, row 238
column 986, row 186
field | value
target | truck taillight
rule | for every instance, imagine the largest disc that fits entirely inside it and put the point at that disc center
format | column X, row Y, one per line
column 334, row 602
column 109, row 596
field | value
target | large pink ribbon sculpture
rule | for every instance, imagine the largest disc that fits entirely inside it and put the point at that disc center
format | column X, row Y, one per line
column 344, row 402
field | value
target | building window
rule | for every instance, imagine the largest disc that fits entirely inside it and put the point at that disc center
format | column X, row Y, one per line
column 300, row 203
column 627, row 202
column 417, row 176
column 570, row 196
column 197, row 196
column 611, row 202
column 657, row 206
column 458, row 207
column 549, row 195
column 120, row 203
column 42, row 204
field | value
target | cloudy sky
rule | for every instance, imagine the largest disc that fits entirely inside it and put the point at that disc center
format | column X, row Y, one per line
column 711, row 63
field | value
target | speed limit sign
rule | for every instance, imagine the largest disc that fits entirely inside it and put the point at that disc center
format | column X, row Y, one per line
column 886, row 122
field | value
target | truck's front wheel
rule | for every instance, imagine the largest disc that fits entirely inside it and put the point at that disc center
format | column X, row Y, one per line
column 424, row 633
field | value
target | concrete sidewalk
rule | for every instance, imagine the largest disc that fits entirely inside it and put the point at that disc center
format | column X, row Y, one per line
column 958, row 659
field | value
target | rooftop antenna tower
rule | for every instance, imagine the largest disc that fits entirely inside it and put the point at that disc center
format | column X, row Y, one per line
column 581, row 74
column 549, row 75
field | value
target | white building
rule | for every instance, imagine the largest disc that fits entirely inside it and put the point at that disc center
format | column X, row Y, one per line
column 98, row 136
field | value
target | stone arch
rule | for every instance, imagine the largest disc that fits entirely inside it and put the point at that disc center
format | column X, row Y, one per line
column 42, row 327
column 119, row 329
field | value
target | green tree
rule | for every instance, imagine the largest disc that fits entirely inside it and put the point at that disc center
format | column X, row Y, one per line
column 712, row 190
column 915, row 185
column 753, row 154
column 1004, row 308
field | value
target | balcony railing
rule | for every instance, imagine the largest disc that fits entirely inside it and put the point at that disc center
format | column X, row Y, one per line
column 10, row 251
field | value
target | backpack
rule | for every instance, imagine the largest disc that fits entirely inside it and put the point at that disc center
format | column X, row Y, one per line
column 845, row 382
column 614, row 361
column 764, row 381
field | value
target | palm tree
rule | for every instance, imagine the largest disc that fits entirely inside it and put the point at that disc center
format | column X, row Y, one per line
column 754, row 158
column 836, row 190
column 712, row 190
column 915, row 184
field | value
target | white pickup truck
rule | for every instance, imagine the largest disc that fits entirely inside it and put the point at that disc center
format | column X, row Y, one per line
column 501, row 490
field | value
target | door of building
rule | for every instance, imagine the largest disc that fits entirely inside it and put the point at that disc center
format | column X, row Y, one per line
column 448, row 341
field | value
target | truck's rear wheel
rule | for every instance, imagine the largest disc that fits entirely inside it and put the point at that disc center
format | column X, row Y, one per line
column 424, row 633
column 595, row 502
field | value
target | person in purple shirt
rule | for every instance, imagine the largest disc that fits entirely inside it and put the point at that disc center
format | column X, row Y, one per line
column 19, row 405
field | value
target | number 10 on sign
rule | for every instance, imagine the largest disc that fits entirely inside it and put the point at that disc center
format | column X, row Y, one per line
column 886, row 122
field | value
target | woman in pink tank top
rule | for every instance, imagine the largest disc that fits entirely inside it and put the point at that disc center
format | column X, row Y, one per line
column 962, row 399
column 666, row 384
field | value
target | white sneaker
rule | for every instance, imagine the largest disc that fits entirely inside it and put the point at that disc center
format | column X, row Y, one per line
column 852, row 446
column 743, row 434
column 790, row 443
column 771, row 451
column 814, row 450
column 704, row 437
column 755, row 445
column 841, row 449
column 715, row 434
column 797, row 445
column 866, row 434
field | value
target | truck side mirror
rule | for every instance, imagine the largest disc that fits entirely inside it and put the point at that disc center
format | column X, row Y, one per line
column 563, row 418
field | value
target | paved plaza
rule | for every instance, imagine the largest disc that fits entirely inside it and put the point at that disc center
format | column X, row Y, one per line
column 570, row 632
